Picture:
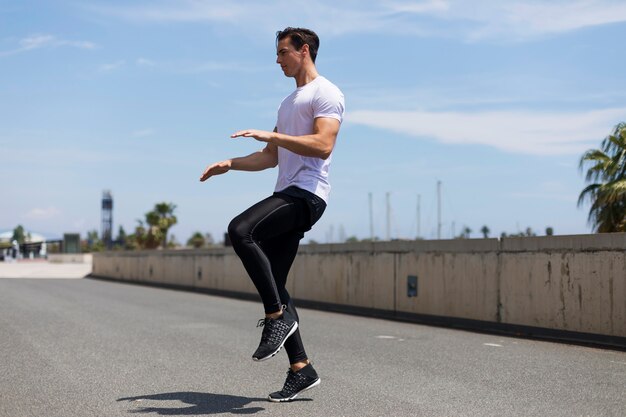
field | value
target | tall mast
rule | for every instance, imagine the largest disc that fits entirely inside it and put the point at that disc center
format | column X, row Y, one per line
column 371, row 218
column 418, row 215
column 438, row 209
column 388, row 217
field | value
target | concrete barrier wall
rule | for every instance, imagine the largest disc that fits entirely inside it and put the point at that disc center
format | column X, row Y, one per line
column 70, row 258
column 570, row 283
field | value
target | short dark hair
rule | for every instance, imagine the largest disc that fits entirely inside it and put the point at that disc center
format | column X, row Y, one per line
column 299, row 37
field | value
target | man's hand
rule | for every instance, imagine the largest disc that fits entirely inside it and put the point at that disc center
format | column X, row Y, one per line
column 216, row 169
column 260, row 135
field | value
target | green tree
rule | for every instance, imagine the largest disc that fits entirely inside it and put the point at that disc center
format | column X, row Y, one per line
column 465, row 234
column 196, row 240
column 18, row 234
column 94, row 244
column 549, row 231
column 152, row 237
column 160, row 220
column 606, row 174
column 121, row 238
column 485, row 231
column 92, row 237
column 137, row 240
column 172, row 243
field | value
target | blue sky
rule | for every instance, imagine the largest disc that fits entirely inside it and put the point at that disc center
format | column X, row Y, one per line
column 497, row 100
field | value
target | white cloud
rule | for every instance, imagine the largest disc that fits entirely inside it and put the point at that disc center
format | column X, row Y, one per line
column 143, row 62
column 420, row 7
column 471, row 21
column 143, row 133
column 112, row 66
column 36, row 41
column 42, row 213
column 330, row 18
column 176, row 11
column 45, row 41
column 530, row 19
column 78, row 44
column 527, row 132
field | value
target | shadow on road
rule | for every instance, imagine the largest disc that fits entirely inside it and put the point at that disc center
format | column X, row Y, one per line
column 201, row 403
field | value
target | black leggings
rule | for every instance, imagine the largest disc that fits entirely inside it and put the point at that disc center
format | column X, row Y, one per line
column 266, row 238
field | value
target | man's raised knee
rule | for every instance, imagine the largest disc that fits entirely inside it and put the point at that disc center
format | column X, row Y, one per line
column 237, row 230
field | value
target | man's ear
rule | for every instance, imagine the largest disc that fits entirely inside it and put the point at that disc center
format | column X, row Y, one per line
column 305, row 49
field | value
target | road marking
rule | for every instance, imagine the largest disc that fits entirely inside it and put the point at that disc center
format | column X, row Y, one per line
column 492, row 344
column 382, row 336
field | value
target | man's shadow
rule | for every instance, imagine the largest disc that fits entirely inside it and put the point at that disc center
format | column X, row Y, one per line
column 200, row 403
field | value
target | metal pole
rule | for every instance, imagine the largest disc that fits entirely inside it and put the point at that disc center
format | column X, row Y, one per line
column 371, row 217
column 418, row 215
column 438, row 209
column 388, row 218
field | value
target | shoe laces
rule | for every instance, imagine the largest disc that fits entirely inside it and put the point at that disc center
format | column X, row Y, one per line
column 263, row 321
column 293, row 381
column 272, row 330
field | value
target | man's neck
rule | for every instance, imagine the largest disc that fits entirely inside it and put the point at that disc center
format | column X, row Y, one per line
column 307, row 75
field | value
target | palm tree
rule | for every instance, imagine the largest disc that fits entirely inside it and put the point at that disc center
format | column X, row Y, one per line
column 607, row 174
column 485, row 231
column 162, row 218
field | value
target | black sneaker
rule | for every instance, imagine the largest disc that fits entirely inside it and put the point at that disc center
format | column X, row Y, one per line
column 275, row 332
column 296, row 383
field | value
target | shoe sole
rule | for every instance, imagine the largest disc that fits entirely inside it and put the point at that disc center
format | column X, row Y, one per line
column 284, row 400
column 292, row 331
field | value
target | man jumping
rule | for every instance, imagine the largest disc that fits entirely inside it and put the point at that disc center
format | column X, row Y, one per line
column 266, row 236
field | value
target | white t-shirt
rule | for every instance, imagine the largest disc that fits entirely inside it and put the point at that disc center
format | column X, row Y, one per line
column 318, row 98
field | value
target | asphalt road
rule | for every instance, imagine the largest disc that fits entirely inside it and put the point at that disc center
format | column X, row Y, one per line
column 84, row 347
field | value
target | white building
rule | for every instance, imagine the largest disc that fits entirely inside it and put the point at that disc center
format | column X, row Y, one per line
column 6, row 244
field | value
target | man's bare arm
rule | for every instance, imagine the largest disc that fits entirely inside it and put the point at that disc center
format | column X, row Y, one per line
column 319, row 144
column 257, row 161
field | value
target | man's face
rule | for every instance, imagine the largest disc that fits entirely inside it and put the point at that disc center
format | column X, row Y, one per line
column 288, row 58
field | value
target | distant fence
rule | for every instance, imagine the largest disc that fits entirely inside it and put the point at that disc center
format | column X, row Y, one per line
column 565, row 287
